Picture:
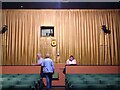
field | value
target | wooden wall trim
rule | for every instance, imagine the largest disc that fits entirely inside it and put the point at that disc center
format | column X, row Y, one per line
column 92, row 69
column 20, row 69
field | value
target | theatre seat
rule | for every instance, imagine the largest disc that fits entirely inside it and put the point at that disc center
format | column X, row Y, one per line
column 21, row 82
column 92, row 81
column 23, row 87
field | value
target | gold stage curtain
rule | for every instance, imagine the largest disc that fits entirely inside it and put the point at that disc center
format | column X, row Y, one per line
column 77, row 32
column 0, row 38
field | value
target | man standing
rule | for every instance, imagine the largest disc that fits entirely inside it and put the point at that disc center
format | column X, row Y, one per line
column 48, row 70
column 40, row 59
column 39, row 63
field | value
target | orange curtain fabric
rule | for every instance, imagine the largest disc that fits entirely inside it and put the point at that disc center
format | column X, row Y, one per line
column 77, row 32
column 0, row 49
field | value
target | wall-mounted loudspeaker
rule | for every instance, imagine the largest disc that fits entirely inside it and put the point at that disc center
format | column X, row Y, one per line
column 4, row 29
column 105, row 29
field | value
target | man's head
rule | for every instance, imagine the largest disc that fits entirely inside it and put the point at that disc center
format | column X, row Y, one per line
column 39, row 55
column 47, row 55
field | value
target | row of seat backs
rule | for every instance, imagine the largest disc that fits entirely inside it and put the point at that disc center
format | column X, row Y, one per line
column 19, row 81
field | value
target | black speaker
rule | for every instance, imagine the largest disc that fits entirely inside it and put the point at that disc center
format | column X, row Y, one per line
column 105, row 29
column 4, row 29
